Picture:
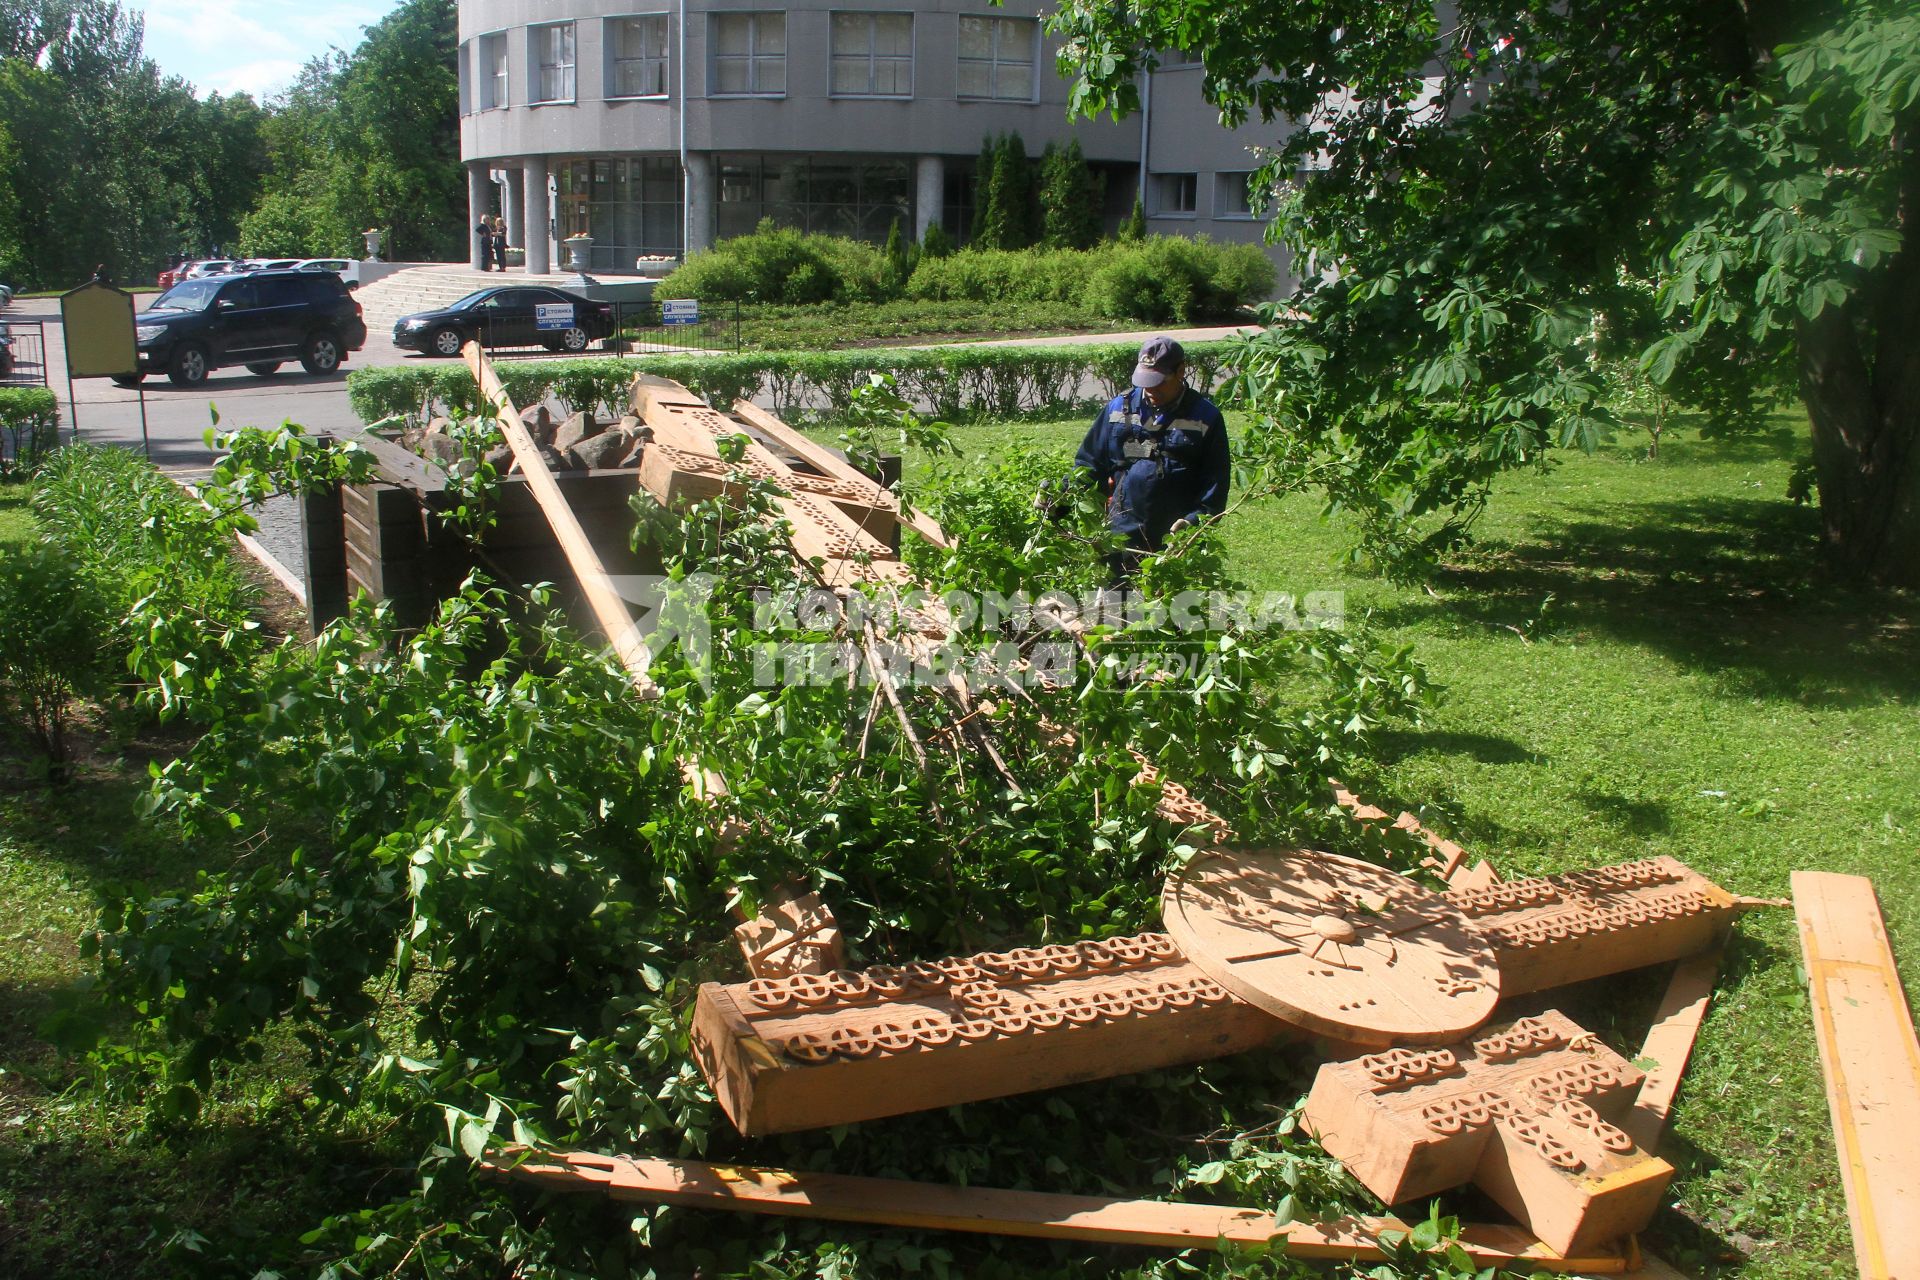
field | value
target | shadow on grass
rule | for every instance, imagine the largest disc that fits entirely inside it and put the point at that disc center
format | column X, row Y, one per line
column 1723, row 584
column 211, row 1199
column 1394, row 745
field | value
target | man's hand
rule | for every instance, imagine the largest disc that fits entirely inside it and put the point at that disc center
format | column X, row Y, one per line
column 1179, row 526
column 1053, row 500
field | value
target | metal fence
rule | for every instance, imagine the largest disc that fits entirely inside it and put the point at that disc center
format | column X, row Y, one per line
column 677, row 325
column 25, row 364
column 639, row 328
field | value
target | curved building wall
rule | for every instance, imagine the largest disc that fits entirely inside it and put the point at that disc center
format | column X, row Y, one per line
column 841, row 115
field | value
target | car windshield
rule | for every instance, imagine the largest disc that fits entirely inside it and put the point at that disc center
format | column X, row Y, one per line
column 473, row 299
column 189, row 296
column 193, row 295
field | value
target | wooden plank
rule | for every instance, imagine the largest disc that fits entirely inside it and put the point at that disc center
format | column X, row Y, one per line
column 996, row 1211
column 1669, row 1044
column 401, row 466
column 1872, row 1065
column 608, row 609
column 829, row 463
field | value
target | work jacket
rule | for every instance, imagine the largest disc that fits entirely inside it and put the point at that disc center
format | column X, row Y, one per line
column 1158, row 465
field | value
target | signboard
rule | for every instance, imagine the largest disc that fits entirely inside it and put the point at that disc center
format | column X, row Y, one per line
column 553, row 315
column 98, row 320
column 680, row 311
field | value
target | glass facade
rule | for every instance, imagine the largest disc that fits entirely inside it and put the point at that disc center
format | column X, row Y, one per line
column 630, row 206
column 859, row 197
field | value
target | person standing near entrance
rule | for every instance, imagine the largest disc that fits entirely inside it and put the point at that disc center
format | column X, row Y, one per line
column 499, row 242
column 483, row 231
column 1159, row 453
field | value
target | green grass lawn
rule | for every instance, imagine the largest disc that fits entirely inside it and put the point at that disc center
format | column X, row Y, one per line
column 1636, row 658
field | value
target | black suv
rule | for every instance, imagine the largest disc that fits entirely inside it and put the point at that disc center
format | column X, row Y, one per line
column 259, row 319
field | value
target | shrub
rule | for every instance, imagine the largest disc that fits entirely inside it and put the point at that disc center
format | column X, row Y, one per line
column 1135, row 227
column 53, row 621
column 1070, row 198
column 937, row 243
column 780, row 264
column 30, row 416
column 999, row 275
column 160, row 562
column 1171, row 279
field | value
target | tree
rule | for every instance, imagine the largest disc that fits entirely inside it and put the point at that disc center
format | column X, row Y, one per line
column 1070, row 198
column 1135, row 226
column 1498, row 177
column 1006, row 221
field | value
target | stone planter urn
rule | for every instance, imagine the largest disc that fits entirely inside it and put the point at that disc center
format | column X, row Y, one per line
column 578, row 248
column 372, row 236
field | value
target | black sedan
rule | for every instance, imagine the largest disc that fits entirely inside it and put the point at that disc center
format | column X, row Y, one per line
column 508, row 316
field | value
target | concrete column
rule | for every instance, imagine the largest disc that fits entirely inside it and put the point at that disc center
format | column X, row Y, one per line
column 516, row 206
column 699, row 202
column 479, row 204
column 929, row 193
column 537, row 225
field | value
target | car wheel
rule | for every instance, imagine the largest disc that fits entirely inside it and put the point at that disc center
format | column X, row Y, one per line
column 265, row 368
column 321, row 354
column 446, row 341
column 188, row 367
column 129, row 380
column 574, row 339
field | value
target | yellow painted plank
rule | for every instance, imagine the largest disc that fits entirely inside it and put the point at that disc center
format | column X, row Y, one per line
column 1669, row 1044
column 1872, row 1065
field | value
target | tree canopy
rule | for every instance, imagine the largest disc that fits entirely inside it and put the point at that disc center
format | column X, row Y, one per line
column 1488, row 201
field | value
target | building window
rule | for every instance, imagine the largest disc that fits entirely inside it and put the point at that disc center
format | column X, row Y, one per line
column 749, row 53
column 637, row 56
column 1176, row 194
column 997, row 57
column 493, row 71
column 873, row 54
column 630, row 206
column 1230, row 195
column 464, row 72
column 552, row 50
column 1174, row 59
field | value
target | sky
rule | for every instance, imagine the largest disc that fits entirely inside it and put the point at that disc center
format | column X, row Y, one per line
column 250, row 46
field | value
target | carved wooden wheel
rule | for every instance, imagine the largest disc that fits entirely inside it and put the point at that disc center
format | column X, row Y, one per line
column 1334, row 945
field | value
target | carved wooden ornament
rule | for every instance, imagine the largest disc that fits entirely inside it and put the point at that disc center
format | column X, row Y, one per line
column 1333, row 945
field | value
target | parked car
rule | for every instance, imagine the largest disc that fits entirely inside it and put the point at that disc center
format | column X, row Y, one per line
column 6, row 352
column 269, row 264
column 260, row 319
column 208, row 267
column 335, row 265
column 6, row 295
column 507, row 316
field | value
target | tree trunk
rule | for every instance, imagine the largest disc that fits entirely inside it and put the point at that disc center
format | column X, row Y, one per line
column 1866, row 443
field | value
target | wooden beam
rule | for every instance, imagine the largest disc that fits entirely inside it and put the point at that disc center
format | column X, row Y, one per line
column 609, row 610
column 829, row 463
column 1669, row 1044
column 1872, row 1065
column 995, row 1211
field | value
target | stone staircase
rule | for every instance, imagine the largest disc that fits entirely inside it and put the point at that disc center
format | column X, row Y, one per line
column 424, row 288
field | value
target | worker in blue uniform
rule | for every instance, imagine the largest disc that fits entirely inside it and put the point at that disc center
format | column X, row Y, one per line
column 1159, row 454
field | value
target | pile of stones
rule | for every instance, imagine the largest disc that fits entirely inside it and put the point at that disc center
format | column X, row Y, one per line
column 576, row 443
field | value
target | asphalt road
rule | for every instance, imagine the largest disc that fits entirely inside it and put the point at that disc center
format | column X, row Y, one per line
column 177, row 418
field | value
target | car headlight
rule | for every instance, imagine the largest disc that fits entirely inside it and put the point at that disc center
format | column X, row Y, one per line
column 414, row 322
column 149, row 332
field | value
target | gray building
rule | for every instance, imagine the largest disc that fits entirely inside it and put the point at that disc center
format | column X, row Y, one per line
column 657, row 130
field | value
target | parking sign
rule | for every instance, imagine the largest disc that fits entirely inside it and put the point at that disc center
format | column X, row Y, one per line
column 553, row 315
column 680, row 311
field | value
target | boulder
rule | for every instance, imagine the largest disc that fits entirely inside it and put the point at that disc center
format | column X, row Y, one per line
column 549, row 455
column 440, row 447
column 538, row 422
column 603, row 450
column 575, row 429
column 500, row 459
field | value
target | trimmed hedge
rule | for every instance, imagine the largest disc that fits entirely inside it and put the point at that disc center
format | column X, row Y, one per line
column 955, row 382
column 30, row 416
column 1159, row 279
